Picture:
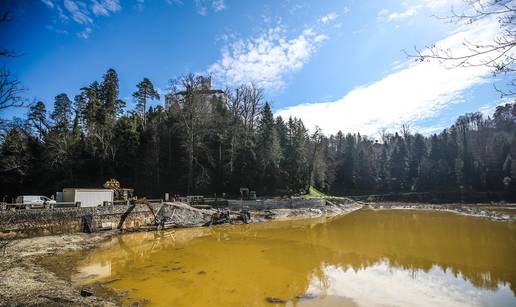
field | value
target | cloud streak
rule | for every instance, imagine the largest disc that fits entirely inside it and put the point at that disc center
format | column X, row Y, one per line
column 388, row 16
column 416, row 92
column 328, row 18
column 83, row 13
column 105, row 7
column 204, row 6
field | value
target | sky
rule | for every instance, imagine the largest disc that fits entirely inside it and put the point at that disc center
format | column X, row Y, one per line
column 336, row 64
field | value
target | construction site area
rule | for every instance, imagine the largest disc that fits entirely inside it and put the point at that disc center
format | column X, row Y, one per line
column 116, row 208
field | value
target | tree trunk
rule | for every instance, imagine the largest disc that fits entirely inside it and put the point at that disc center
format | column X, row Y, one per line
column 144, row 111
column 190, row 163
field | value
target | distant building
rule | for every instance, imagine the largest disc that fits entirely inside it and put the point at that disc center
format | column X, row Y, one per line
column 207, row 93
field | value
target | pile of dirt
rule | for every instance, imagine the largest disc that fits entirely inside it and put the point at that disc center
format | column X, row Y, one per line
column 182, row 215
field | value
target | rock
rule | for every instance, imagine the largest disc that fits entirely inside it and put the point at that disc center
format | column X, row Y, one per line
column 220, row 217
column 245, row 216
column 271, row 299
column 181, row 215
column 307, row 296
column 86, row 292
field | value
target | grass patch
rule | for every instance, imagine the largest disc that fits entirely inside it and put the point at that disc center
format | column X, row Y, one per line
column 313, row 192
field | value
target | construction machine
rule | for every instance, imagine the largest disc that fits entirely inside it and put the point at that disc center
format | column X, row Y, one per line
column 125, row 196
column 121, row 195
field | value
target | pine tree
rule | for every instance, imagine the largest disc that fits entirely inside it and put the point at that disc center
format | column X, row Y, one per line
column 398, row 165
column 109, row 91
column 145, row 91
column 268, row 149
column 418, row 151
column 294, row 162
column 38, row 116
column 62, row 114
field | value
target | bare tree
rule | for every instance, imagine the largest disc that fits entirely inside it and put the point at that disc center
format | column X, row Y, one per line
column 498, row 54
column 250, row 99
column 10, row 90
column 405, row 130
column 5, row 52
column 187, row 92
column 245, row 104
column 10, row 87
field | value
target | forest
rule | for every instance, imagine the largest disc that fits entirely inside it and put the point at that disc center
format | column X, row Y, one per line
column 202, row 141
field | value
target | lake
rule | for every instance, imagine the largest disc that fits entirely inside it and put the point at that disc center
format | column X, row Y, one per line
column 366, row 258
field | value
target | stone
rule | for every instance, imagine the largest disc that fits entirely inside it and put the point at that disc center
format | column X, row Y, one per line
column 86, row 292
column 271, row 299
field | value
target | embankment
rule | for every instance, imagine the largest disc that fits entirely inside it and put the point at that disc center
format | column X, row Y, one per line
column 39, row 222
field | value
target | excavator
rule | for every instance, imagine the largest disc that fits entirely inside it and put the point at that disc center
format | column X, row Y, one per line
column 120, row 194
column 125, row 196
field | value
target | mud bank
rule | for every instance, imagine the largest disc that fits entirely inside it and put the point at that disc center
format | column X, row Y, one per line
column 492, row 211
column 26, row 280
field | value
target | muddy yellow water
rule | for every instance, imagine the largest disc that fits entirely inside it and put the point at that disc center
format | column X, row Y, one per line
column 367, row 258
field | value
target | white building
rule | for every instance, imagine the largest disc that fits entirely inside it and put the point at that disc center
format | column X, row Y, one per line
column 206, row 93
column 88, row 197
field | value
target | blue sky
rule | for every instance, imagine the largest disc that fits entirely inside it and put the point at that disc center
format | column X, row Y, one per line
column 336, row 64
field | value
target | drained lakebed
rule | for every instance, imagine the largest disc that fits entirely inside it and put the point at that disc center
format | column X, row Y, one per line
column 365, row 258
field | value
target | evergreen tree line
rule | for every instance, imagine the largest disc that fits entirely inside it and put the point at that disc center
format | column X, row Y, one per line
column 204, row 141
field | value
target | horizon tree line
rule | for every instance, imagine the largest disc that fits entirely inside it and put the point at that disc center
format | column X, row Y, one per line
column 205, row 141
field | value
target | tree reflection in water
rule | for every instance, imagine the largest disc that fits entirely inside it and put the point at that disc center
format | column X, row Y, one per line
column 366, row 258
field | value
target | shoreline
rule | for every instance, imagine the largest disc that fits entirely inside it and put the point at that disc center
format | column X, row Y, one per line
column 487, row 211
column 27, row 277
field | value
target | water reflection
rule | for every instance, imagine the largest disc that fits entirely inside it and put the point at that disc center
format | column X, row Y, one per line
column 382, row 283
column 365, row 258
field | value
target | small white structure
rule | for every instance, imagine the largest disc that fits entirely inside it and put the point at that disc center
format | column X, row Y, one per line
column 88, row 197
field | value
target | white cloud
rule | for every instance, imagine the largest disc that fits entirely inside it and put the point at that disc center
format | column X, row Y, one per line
column 105, row 7
column 411, row 11
column 81, row 12
column 48, row 3
column 175, row 2
column 441, row 4
column 386, row 15
column 383, row 12
column 78, row 11
column 218, row 5
column 267, row 59
column 85, row 34
column 437, row 6
column 328, row 18
column 203, row 6
column 415, row 92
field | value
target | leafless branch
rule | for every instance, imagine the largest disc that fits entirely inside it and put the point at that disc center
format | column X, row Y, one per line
column 10, row 90
column 498, row 54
